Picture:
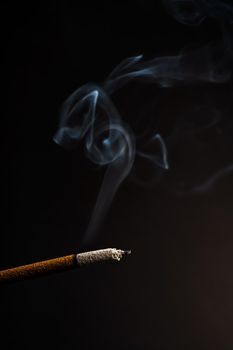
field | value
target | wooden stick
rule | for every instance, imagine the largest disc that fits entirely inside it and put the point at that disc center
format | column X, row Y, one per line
column 63, row 263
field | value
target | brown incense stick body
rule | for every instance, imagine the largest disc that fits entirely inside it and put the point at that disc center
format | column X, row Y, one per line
column 68, row 262
column 39, row 268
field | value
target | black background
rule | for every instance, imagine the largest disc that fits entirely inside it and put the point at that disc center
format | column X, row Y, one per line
column 175, row 291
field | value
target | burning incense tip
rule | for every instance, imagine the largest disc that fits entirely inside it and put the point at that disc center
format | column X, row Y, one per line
column 100, row 255
column 63, row 263
column 127, row 252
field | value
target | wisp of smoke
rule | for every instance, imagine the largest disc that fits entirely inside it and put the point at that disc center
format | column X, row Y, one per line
column 89, row 114
column 193, row 12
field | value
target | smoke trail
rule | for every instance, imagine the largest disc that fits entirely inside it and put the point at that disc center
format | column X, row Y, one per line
column 219, row 62
column 194, row 12
column 213, row 179
column 89, row 114
column 193, row 67
column 161, row 158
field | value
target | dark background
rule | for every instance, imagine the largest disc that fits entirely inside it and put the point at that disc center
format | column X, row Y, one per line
column 175, row 291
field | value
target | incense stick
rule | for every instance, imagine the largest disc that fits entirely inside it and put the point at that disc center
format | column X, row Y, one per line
column 60, row 264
